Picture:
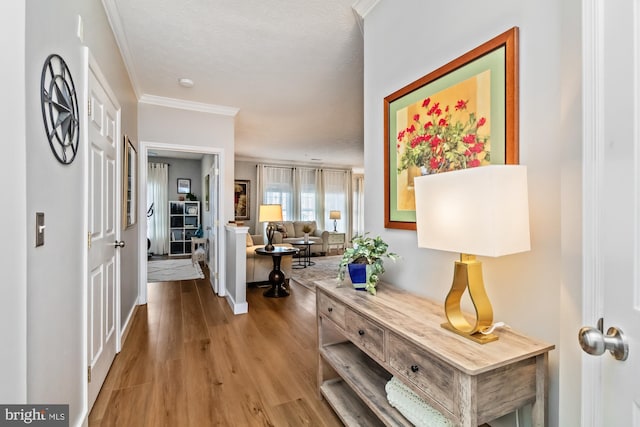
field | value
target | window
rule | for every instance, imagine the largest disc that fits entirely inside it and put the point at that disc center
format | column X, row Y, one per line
column 336, row 191
column 277, row 189
column 307, row 179
column 307, row 194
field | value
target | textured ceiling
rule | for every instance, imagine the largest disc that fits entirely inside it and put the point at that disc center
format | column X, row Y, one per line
column 292, row 68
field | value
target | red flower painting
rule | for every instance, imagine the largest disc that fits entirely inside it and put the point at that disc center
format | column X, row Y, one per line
column 441, row 141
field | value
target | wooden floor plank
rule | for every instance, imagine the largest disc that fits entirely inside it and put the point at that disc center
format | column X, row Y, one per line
column 169, row 323
column 128, row 407
column 194, row 326
column 169, row 405
column 188, row 361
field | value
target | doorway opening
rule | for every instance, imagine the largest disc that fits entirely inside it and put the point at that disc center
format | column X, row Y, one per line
column 210, row 158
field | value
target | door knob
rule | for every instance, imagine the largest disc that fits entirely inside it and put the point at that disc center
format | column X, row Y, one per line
column 594, row 341
column 119, row 244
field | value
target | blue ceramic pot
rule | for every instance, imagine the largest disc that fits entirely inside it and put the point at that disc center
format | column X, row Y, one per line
column 358, row 274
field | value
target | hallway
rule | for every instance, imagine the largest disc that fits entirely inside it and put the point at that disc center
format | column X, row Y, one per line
column 188, row 361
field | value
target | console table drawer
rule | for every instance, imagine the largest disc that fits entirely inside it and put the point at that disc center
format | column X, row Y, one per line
column 435, row 378
column 331, row 309
column 365, row 333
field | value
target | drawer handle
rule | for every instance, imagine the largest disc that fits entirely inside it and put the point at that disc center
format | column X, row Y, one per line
column 330, row 309
column 414, row 368
column 360, row 332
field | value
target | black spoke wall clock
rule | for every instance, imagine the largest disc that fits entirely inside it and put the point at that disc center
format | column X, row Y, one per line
column 60, row 109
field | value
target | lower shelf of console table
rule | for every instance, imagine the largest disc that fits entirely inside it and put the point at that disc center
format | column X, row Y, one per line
column 364, row 340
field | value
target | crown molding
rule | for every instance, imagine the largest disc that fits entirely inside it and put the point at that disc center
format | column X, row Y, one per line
column 361, row 8
column 188, row 105
column 113, row 16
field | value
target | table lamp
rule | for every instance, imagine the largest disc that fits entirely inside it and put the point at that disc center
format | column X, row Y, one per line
column 270, row 214
column 478, row 211
column 335, row 216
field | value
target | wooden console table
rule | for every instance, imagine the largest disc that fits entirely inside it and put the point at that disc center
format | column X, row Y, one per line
column 363, row 340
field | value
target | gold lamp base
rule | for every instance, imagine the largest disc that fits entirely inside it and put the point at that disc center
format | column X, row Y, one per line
column 478, row 337
column 468, row 275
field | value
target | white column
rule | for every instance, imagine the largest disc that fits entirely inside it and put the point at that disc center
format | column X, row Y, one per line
column 236, row 268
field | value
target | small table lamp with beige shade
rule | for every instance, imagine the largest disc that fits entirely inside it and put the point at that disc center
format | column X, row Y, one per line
column 478, row 211
column 335, row 216
column 270, row 214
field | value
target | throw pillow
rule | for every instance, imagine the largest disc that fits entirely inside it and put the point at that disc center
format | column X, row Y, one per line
column 249, row 240
column 282, row 230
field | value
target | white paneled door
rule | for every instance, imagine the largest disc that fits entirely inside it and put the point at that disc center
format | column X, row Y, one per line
column 611, row 395
column 103, row 233
column 621, row 394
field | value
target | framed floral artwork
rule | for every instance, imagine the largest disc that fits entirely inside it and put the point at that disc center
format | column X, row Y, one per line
column 462, row 115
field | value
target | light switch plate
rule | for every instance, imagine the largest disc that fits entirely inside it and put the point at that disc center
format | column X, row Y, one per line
column 39, row 229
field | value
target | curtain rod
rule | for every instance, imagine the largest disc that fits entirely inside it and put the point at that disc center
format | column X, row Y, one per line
column 324, row 168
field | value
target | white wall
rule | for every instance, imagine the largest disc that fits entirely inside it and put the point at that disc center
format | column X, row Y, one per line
column 56, row 354
column 405, row 40
column 13, row 262
column 569, row 138
column 159, row 124
column 182, row 168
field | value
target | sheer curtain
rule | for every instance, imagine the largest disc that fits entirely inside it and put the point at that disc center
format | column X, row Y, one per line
column 276, row 187
column 158, row 223
column 307, row 188
column 358, row 204
column 337, row 188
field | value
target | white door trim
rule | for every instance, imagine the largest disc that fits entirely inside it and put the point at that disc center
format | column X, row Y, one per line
column 143, row 158
column 592, row 169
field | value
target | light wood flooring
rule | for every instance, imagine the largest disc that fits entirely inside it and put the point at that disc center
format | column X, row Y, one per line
column 188, row 361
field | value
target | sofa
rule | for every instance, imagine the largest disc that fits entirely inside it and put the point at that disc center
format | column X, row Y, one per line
column 259, row 266
column 290, row 231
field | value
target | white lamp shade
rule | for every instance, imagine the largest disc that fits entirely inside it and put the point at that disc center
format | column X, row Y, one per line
column 478, row 211
column 334, row 214
column 269, row 213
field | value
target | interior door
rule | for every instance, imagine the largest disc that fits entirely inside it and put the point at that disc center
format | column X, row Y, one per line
column 617, row 395
column 621, row 395
column 103, row 233
column 212, row 227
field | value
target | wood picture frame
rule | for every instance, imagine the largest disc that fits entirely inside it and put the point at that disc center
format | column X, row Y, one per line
column 463, row 114
column 241, row 202
column 184, row 185
column 129, row 183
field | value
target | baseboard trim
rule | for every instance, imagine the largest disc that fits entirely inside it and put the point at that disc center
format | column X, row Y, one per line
column 127, row 325
column 237, row 308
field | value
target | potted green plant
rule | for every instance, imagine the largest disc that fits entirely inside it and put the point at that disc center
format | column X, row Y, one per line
column 367, row 253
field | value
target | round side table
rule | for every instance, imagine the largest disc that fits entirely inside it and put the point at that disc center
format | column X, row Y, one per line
column 276, row 277
column 305, row 254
